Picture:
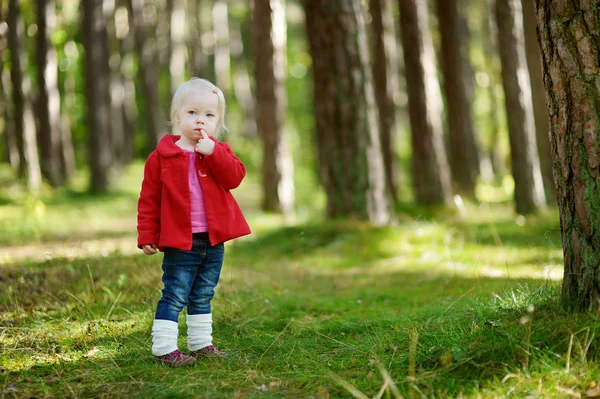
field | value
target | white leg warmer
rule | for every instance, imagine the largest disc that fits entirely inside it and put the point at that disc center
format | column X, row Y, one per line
column 199, row 331
column 164, row 337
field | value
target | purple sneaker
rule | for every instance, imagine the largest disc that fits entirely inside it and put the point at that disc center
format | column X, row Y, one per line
column 176, row 359
column 208, row 351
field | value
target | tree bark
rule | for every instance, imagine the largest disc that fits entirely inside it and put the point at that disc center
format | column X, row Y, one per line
column 222, row 57
column 430, row 174
column 538, row 94
column 178, row 54
column 385, row 69
column 97, row 81
column 116, row 89
column 149, row 73
column 463, row 157
column 278, row 167
column 198, row 59
column 11, row 154
column 242, row 85
column 529, row 188
column 351, row 161
column 568, row 35
column 48, row 96
column 21, row 94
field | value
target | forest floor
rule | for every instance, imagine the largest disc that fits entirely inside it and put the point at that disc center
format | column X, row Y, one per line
column 445, row 304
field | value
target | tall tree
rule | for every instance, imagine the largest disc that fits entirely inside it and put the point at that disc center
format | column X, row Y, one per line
column 538, row 94
column 385, row 70
column 125, row 85
column 529, row 188
column 198, row 59
column 97, row 83
column 220, row 15
column 48, row 96
column 277, row 167
column 463, row 151
column 431, row 178
column 11, row 154
column 242, row 85
column 116, row 89
column 21, row 95
column 178, row 53
column 492, row 67
column 350, row 157
column 149, row 72
column 570, row 69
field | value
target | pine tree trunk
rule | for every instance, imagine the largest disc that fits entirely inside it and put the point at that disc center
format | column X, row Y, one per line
column 385, row 68
column 125, row 38
column 149, row 73
column 21, row 92
column 430, row 173
column 529, row 189
column 48, row 96
column 491, row 62
column 463, row 157
column 116, row 89
column 242, row 86
column 538, row 94
column 97, row 81
column 178, row 50
column 198, row 59
column 277, row 168
column 351, row 161
column 11, row 154
column 222, row 57
column 570, row 62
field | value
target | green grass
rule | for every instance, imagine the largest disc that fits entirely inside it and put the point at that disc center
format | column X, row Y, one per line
column 447, row 306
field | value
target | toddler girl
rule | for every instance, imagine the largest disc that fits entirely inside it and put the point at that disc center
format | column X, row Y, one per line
column 186, row 211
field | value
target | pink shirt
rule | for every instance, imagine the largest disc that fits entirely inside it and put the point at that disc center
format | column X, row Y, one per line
column 199, row 222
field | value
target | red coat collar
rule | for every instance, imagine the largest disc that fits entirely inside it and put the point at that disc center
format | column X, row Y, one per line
column 167, row 147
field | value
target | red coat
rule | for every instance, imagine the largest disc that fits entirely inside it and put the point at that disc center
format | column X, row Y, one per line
column 164, row 209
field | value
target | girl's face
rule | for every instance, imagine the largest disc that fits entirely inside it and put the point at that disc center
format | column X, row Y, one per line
column 198, row 111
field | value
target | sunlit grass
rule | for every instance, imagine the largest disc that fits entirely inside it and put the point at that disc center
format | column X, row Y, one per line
column 301, row 307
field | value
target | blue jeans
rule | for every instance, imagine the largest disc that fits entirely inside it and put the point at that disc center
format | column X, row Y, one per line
column 189, row 278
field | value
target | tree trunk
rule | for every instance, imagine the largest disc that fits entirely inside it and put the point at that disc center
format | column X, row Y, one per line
column 463, row 149
column 242, row 86
column 116, row 89
column 69, row 101
column 178, row 50
column 222, row 57
column 385, row 69
column 198, row 59
column 431, row 178
column 149, row 73
column 350, row 156
column 49, row 97
column 277, row 167
column 97, row 81
column 570, row 68
column 529, row 188
column 129, row 112
column 538, row 94
column 491, row 62
column 21, row 92
column 11, row 153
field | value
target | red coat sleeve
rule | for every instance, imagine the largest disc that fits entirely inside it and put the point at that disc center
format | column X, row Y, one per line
column 228, row 170
column 148, row 217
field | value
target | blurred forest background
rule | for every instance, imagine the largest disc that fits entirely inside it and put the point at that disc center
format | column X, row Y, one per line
column 348, row 113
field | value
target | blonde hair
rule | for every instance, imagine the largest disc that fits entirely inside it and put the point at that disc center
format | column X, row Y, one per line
column 194, row 85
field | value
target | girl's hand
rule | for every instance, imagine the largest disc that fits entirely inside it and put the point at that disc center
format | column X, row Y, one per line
column 149, row 249
column 205, row 145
